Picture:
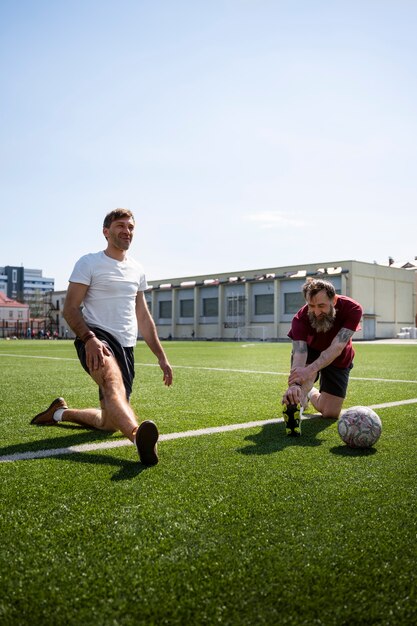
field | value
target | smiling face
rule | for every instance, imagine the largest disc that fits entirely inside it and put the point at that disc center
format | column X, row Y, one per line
column 321, row 311
column 119, row 234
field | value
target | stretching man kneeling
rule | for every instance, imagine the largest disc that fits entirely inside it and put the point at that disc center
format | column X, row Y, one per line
column 321, row 333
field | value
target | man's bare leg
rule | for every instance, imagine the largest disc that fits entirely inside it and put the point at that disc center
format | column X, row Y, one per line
column 325, row 403
column 86, row 417
column 116, row 412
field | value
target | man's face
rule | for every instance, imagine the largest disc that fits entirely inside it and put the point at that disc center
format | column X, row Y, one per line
column 120, row 233
column 321, row 311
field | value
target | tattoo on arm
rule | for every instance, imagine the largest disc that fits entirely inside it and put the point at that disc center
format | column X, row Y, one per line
column 344, row 335
column 299, row 346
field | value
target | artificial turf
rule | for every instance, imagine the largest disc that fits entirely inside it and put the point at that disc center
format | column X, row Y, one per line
column 246, row 527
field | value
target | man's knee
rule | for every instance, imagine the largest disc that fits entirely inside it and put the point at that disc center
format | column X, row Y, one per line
column 106, row 422
column 109, row 377
column 330, row 406
column 329, row 414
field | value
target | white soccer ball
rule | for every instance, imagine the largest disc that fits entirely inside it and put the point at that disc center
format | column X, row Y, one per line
column 359, row 427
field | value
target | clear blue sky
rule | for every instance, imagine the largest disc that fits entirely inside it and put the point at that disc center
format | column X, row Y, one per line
column 242, row 133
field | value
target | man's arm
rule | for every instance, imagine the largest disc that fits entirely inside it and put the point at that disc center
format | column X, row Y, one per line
column 301, row 374
column 95, row 350
column 72, row 313
column 299, row 354
column 293, row 394
column 148, row 331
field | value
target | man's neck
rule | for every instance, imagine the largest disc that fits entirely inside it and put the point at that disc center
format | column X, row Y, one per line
column 115, row 253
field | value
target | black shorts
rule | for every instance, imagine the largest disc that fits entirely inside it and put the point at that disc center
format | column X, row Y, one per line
column 333, row 380
column 124, row 357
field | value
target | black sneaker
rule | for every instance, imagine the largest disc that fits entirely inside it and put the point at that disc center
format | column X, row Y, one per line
column 292, row 420
column 146, row 439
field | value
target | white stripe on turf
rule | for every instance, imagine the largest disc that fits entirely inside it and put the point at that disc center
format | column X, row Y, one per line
column 105, row 445
column 212, row 369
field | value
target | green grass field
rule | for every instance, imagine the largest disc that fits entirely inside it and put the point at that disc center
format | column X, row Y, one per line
column 246, row 527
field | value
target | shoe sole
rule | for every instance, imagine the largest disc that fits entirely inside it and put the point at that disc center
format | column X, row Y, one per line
column 146, row 439
column 292, row 424
column 58, row 403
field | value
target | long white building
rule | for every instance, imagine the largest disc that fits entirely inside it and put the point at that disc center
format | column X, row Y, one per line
column 259, row 304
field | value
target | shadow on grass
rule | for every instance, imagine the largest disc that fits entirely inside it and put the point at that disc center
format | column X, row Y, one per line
column 273, row 438
column 127, row 469
column 346, row 451
column 80, row 436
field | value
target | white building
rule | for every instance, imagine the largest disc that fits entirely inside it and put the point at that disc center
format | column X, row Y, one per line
column 260, row 304
column 14, row 317
column 54, row 304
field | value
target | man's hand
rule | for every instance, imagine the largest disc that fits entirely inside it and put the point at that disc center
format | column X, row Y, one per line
column 95, row 351
column 299, row 375
column 292, row 395
column 167, row 370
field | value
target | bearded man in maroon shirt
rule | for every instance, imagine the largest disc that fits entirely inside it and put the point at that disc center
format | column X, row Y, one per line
column 321, row 334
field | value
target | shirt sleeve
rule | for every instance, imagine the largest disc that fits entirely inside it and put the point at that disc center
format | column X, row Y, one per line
column 143, row 284
column 81, row 272
column 353, row 316
column 299, row 329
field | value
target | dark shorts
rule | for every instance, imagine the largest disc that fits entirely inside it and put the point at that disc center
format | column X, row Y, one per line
column 124, row 357
column 333, row 380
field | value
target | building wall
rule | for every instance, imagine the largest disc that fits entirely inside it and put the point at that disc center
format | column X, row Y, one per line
column 260, row 304
column 14, row 318
column 387, row 295
column 25, row 285
column 54, row 307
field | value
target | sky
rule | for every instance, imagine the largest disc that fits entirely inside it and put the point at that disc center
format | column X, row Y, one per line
column 243, row 134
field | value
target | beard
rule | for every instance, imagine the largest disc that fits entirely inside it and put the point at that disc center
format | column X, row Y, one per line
column 324, row 322
column 120, row 242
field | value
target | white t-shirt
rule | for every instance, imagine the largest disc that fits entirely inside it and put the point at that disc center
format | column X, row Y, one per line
column 110, row 302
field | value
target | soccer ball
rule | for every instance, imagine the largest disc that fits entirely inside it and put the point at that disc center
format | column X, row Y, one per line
column 359, row 427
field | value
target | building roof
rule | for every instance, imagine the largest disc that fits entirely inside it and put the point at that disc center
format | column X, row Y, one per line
column 405, row 265
column 8, row 302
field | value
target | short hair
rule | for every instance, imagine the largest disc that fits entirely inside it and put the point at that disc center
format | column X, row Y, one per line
column 314, row 285
column 117, row 214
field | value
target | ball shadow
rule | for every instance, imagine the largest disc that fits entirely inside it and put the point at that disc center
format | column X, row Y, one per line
column 344, row 450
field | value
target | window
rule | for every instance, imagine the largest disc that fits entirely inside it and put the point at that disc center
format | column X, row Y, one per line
column 236, row 306
column 187, row 308
column 149, row 305
column 210, row 307
column 165, row 310
column 264, row 304
column 293, row 302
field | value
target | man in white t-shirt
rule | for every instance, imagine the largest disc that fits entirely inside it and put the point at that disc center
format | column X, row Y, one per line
column 109, row 286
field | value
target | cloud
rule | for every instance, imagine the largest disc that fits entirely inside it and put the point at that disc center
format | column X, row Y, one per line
column 274, row 219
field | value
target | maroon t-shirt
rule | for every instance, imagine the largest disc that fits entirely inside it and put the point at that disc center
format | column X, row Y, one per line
column 348, row 315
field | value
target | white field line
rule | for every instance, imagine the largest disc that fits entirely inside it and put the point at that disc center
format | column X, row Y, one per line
column 105, row 445
column 210, row 369
column 39, row 356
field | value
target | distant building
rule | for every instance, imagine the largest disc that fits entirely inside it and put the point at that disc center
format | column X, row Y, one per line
column 259, row 304
column 407, row 265
column 14, row 317
column 54, row 304
column 25, row 285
